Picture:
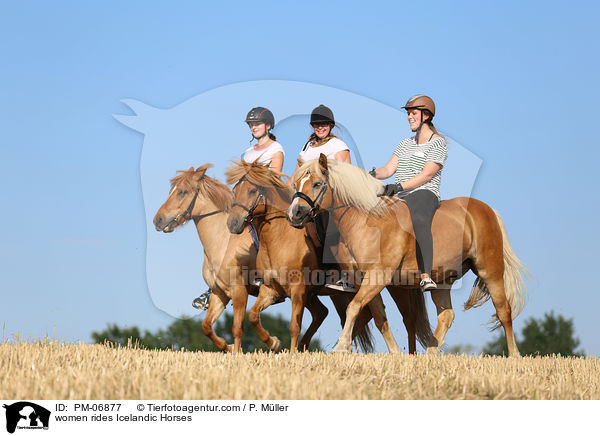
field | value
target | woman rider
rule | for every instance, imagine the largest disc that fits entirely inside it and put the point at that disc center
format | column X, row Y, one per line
column 417, row 163
column 325, row 142
column 267, row 150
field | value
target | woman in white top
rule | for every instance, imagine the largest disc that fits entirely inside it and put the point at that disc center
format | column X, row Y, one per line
column 322, row 140
column 267, row 150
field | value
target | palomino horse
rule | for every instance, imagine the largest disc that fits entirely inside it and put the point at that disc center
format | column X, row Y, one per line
column 227, row 257
column 467, row 235
column 286, row 255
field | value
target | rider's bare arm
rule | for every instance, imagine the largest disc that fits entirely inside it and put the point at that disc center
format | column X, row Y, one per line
column 430, row 169
column 277, row 162
column 388, row 169
column 291, row 179
column 343, row 155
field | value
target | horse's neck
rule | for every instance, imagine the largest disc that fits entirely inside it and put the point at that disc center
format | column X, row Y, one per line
column 212, row 231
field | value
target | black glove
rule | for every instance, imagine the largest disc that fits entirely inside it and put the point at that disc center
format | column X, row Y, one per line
column 372, row 172
column 391, row 190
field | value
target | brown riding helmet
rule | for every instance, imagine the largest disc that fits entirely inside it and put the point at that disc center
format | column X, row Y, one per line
column 420, row 102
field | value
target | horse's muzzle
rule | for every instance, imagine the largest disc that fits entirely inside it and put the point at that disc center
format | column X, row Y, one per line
column 297, row 216
column 236, row 224
column 161, row 224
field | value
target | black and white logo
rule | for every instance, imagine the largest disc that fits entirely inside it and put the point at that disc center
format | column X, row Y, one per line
column 26, row 415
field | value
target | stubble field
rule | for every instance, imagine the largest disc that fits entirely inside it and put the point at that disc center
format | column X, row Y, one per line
column 52, row 370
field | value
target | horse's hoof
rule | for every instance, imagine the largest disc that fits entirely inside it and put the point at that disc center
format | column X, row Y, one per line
column 229, row 348
column 432, row 351
column 340, row 349
column 276, row 344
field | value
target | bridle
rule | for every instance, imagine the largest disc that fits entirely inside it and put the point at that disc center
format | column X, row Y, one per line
column 187, row 215
column 316, row 203
column 261, row 196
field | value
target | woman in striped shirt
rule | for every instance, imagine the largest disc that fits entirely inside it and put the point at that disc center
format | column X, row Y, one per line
column 417, row 163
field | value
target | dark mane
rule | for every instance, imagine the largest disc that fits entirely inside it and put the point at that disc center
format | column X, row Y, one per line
column 210, row 188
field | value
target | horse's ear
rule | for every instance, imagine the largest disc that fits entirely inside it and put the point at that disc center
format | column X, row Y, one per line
column 300, row 162
column 200, row 171
column 323, row 162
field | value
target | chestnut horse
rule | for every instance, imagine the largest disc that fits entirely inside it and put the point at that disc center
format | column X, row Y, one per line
column 467, row 235
column 287, row 256
column 227, row 258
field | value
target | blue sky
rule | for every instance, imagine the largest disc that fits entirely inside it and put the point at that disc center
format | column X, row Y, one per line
column 514, row 83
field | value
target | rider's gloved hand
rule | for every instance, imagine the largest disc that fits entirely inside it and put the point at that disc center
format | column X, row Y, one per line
column 373, row 173
column 391, row 190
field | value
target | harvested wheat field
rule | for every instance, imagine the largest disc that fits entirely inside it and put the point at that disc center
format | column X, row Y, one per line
column 52, row 370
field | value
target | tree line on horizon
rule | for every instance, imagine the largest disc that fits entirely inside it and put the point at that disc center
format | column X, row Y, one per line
column 552, row 334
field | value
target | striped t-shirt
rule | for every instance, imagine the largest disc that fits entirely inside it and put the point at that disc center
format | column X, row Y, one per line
column 412, row 158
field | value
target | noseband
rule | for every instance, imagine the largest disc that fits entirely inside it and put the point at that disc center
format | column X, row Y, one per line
column 316, row 203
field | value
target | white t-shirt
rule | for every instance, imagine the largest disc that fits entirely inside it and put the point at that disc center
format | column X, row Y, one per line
column 263, row 156
column 329, row 149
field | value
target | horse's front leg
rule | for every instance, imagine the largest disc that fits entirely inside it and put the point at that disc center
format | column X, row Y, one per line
column 378, row 311
column 239, row 297
column 266, row 297
column 371, row 285
column 298, row 297
column 216, row 304
column 318, row 312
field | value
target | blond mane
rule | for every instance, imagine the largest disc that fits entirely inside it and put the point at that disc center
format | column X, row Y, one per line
column 258, row 174
column 351, row 184
column 210, row 188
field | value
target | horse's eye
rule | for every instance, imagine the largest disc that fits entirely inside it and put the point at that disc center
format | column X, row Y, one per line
column 317, row 185
column 252, row 191
column 182, row 194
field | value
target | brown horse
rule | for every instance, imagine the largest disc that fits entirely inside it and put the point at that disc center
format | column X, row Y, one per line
column 228, row 259
column 287, row 255
column 467, row 235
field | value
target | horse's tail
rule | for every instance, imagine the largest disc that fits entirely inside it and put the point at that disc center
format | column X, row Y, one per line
column 422, row 325
column 514, row 285
column 364, row 339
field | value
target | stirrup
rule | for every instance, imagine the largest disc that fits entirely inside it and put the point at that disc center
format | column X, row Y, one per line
column 341, row 285
column 201, row 302
column 427, row 285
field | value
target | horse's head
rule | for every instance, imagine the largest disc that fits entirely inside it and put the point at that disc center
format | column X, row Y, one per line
column 191, row 190
column 313, row 191
column 256, row 189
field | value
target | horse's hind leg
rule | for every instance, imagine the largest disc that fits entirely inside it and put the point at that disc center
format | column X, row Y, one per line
column 266, row 297
column 445, row 315
column 504, row 313
column 402, row 300
column 318, row 312
column 216, row 304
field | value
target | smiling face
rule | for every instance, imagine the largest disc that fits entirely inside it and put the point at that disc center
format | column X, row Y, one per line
column 322, row 129
column 258, row 128
column 414, row 118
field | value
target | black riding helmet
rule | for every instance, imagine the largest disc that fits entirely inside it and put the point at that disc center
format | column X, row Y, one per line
column 322, row 114
column 262, row 115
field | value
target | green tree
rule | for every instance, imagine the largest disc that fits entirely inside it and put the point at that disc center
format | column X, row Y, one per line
column 551, row 335
column 187, row 333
